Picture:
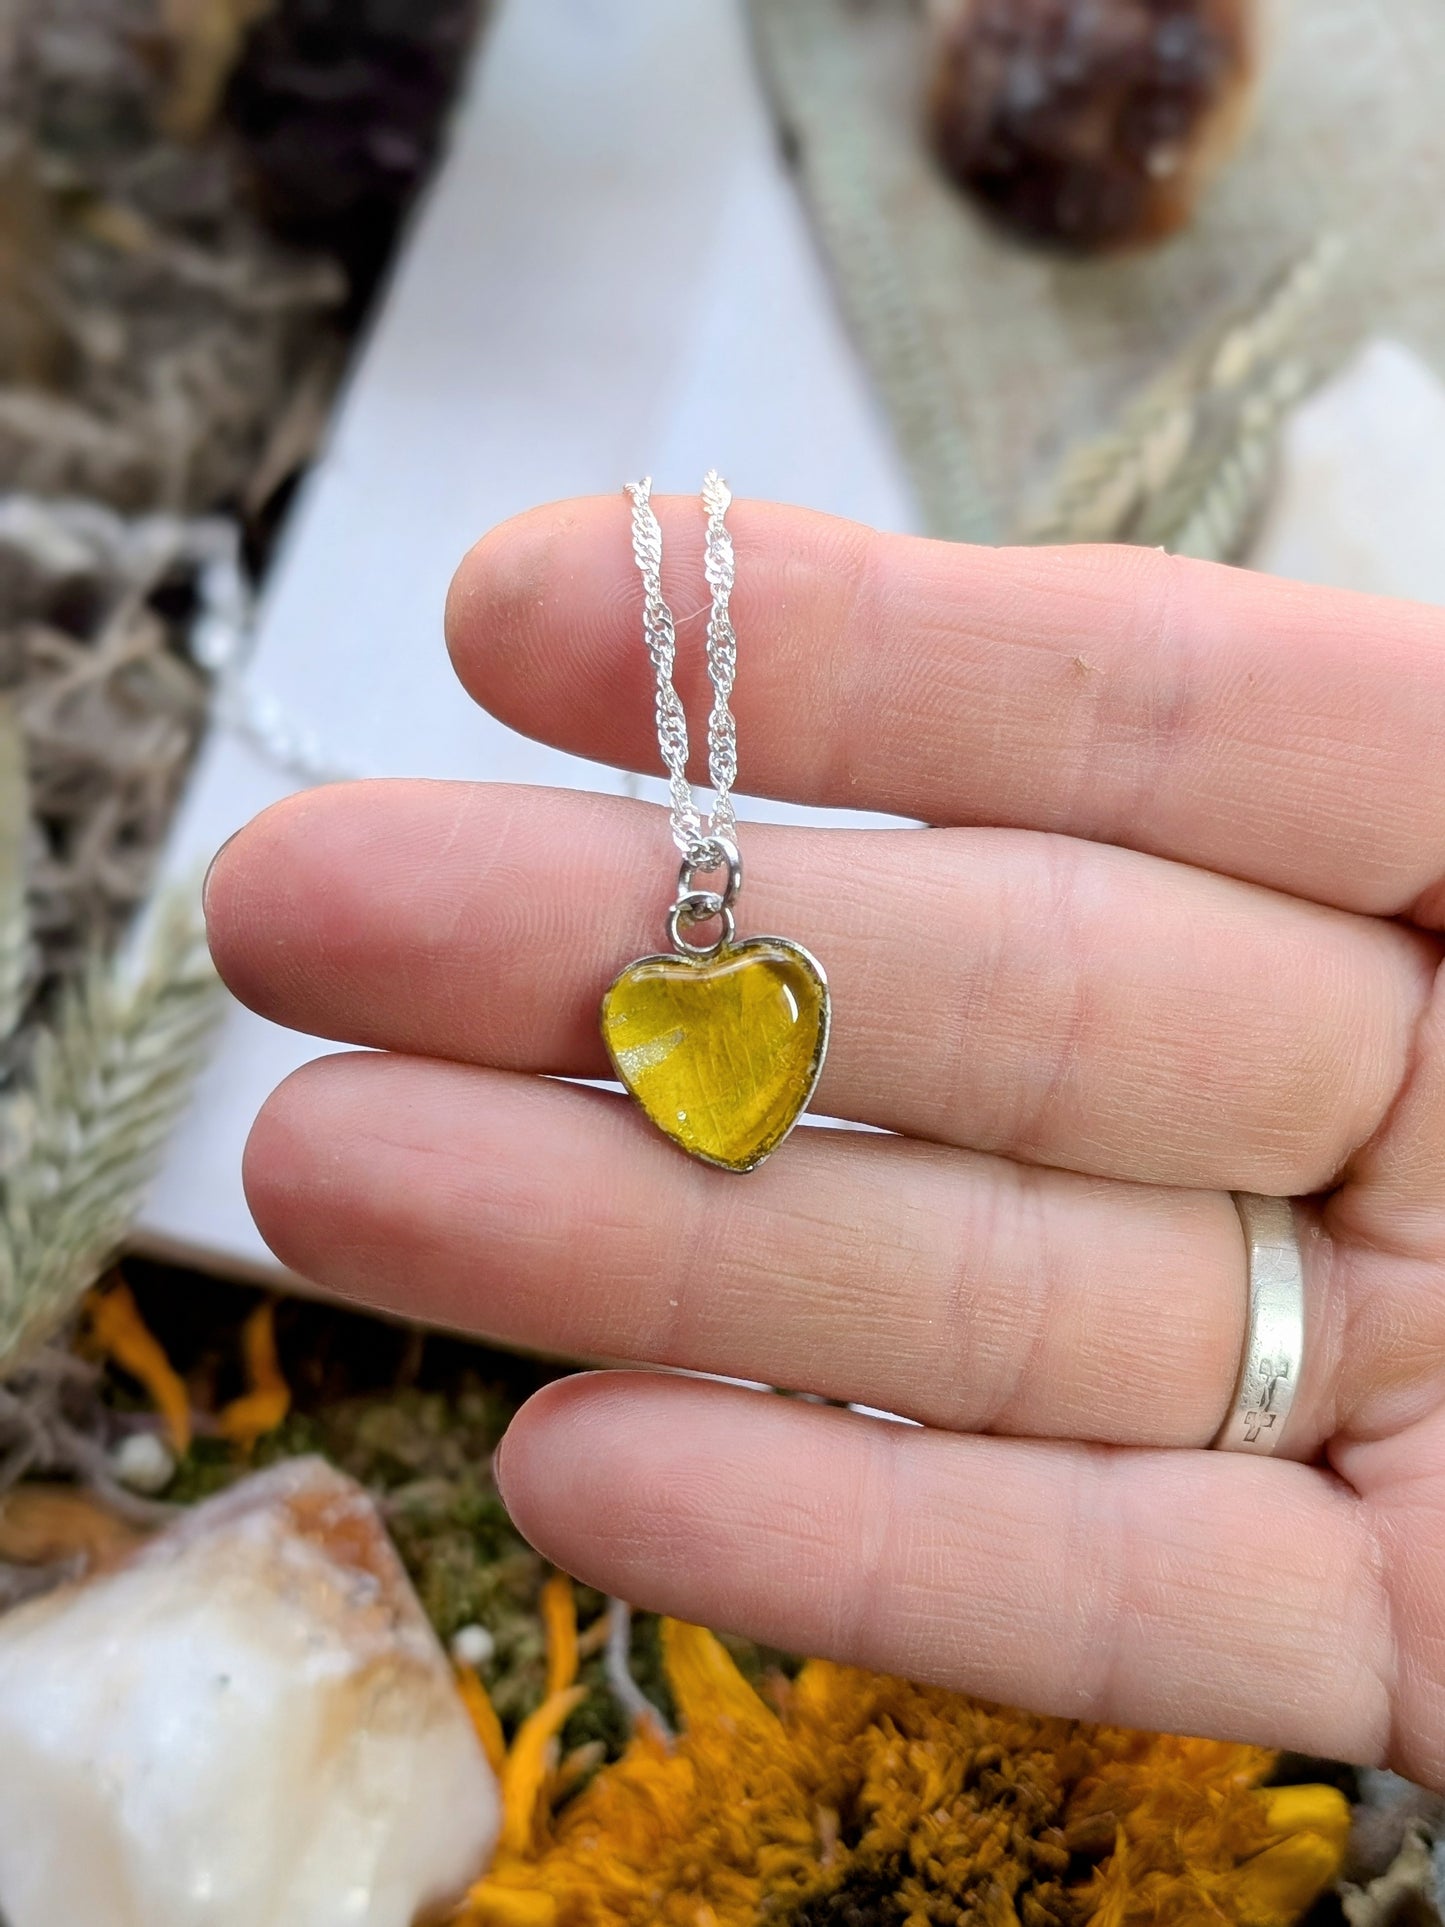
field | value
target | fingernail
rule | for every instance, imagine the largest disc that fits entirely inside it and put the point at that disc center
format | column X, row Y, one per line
column 497, row 1470
column 211, row 871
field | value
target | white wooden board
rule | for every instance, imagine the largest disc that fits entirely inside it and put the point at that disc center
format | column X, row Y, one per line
column 611, row 276
column 1359, row 501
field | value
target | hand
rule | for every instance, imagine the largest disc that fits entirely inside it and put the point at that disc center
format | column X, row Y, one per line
column 1192, row 951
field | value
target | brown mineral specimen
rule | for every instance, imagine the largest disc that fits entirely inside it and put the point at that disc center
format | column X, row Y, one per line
column 1090, row 124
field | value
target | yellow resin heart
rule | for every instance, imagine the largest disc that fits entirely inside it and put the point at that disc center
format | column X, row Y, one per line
column 721, row 1052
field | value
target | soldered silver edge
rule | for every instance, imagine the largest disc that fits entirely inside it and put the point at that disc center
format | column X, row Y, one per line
column 820, row 1051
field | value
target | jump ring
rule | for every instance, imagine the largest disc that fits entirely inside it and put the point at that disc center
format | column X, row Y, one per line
column 699, row 906
column 712, row 853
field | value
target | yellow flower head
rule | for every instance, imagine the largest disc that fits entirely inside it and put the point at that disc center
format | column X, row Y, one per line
column 860, row 1801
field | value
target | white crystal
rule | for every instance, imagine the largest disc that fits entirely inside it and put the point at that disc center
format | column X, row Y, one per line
column 473, row 1646
column 248, row 1724
column 143, row 1462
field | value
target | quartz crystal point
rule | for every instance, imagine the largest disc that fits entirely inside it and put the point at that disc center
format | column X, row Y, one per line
column 248, row 1723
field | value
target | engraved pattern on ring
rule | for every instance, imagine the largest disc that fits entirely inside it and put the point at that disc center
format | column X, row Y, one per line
column 1273, row 1354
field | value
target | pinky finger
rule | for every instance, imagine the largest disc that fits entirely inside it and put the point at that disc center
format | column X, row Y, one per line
column 1182, row 1591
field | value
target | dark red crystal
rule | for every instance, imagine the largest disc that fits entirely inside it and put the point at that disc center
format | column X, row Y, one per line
column 1089, row 124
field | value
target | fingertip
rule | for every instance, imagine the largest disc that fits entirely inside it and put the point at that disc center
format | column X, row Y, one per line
column 252, row 877
column 532, row 608
column 506, row 566
column 544, row 625
column 600, row 1436
column 206, row 880
column 635, row 1482
column 547, row 1466
column 218, row 897
column 299, row 1175
column 224, row 899
column 276, row 1165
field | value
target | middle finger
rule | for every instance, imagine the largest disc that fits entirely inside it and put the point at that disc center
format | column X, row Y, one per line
column 1058, row 1001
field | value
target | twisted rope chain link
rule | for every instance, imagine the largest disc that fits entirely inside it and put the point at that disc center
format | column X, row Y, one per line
column 702, row 842
column 722, row 658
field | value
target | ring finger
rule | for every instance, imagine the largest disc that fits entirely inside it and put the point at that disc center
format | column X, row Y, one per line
column 955, row 1288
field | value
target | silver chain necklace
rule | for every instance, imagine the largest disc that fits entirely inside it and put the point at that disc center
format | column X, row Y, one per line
column 721, row 1043
column 701, row 843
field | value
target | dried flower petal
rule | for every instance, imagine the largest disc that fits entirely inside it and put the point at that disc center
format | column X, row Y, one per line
column 267, row 1398
column 118, row 1329
column 869, row 1800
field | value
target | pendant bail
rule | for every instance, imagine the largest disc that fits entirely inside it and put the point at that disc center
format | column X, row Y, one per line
column 710, row 854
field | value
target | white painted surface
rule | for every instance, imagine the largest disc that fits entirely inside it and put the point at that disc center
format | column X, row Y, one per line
column 1359, row 502
column 612, row 275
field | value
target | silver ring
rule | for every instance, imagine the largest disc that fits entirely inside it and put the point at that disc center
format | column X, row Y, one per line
column 1274, row 1338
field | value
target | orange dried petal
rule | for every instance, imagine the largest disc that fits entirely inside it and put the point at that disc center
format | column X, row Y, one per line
column 483, row 1714
column 267, row 1398
column 122, row 1334
column 559, row 1617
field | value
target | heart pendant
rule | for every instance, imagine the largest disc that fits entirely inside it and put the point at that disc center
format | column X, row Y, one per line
column 723, row 1051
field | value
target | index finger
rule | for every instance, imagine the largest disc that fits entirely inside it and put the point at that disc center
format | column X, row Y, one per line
column 1289, row 735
